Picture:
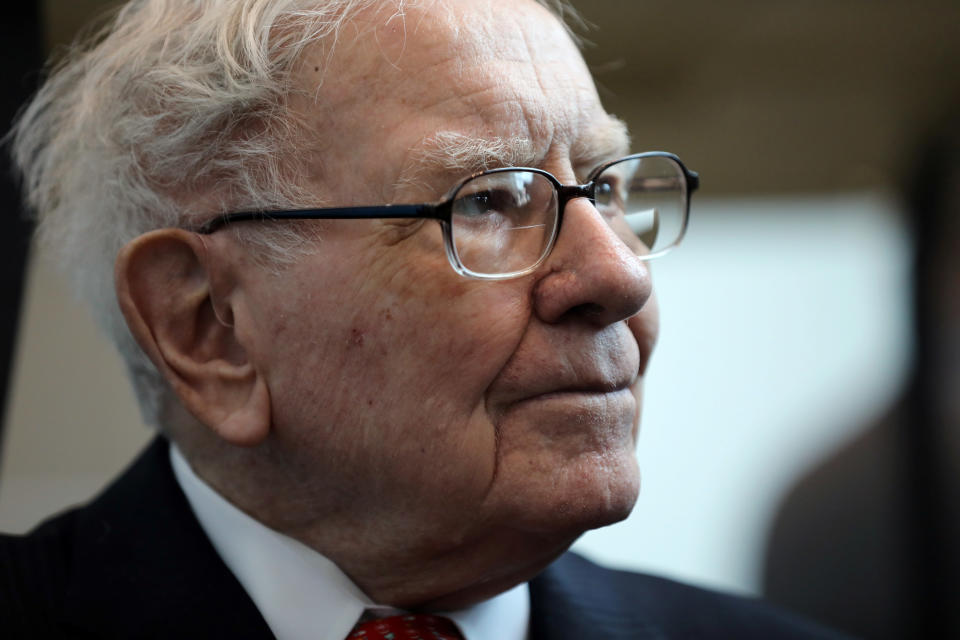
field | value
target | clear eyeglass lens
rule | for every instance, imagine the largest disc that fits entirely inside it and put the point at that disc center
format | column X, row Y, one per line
column 644, row 202
column 502, row 222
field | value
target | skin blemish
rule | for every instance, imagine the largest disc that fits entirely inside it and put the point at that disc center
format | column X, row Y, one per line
column 356, row 337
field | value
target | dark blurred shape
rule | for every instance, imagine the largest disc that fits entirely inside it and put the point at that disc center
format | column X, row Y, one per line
column 21, row 53
column 839, row 549
column 778, row 97
column 870, row 541
column 933, row 439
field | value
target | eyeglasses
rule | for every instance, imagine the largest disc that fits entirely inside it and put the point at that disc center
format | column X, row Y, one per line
column 503, row 223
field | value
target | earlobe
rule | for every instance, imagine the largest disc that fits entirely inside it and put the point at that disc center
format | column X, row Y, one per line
column 177, row 305
column 247, row 425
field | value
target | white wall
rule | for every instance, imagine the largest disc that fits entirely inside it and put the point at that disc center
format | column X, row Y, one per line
column 71, row 421
column 784, row 329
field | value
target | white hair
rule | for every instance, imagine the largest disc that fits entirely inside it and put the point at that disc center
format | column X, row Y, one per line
column 132, row 130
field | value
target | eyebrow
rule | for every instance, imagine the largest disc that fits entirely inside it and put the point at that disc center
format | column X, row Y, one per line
column 450, row 153
column 608, row 140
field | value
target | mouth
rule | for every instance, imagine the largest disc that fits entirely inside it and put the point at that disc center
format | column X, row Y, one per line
column 597, row 388
column 573, row 364
column 574, row 419
column 582, row 392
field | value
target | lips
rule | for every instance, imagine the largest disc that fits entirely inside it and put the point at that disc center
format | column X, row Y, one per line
column 597, row 366
column 580, row 390
column 590, row 388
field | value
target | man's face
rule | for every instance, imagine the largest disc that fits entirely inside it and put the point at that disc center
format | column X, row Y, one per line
column 423, row 414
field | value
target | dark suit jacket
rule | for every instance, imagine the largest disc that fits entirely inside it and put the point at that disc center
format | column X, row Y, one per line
column 135, row 563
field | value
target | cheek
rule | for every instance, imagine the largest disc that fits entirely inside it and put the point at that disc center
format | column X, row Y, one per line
column 401, row 355
column 446, row 344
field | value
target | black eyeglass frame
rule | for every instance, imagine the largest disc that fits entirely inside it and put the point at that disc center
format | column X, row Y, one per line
column 443, row 210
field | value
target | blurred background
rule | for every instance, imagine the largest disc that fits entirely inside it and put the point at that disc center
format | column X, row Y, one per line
column 801, row 430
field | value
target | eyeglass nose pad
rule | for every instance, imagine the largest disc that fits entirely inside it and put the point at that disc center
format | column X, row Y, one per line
column 570, row 191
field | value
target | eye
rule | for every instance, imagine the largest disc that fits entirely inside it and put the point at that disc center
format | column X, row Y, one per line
column 503, row 192
column 603, row 191
column 487, row 201
column 608, row 194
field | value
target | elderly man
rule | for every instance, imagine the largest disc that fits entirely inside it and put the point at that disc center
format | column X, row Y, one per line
column 392, row 372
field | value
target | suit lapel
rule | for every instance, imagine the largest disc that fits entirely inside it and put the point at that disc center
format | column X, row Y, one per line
column 574, row 599
column 143, row 567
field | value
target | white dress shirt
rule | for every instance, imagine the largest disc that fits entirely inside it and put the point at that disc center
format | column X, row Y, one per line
column 300, row 593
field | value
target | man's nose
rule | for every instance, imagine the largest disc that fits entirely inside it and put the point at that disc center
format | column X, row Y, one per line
column 591, row 273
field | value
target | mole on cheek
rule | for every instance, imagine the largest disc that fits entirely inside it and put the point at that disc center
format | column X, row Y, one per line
column 356, row 337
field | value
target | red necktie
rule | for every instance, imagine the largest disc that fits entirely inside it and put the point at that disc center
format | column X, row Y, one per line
column 412, row 626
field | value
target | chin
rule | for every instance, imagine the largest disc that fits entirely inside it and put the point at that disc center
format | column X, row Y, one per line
column 586, row 496
column 610, row 502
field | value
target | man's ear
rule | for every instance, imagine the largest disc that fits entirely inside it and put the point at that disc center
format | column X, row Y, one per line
column 167, row 294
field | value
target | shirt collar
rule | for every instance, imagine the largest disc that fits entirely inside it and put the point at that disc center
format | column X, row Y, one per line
column 300, row 593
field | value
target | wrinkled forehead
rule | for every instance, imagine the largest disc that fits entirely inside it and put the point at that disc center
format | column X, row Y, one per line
column 444, row 46
column 509, row 28
column 490, row 69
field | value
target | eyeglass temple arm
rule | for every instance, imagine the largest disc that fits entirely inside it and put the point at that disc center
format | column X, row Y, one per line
column 340, row 213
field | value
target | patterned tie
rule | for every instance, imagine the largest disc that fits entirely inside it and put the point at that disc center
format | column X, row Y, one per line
column 411, row 626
